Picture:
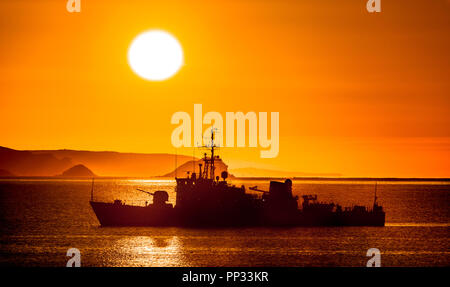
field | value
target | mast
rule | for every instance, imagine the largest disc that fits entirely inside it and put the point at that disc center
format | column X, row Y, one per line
column 193, row 160
column 176, row 166
column 209, row 168
column 206, row 169
column 92, row 190
column 375, row 195
column 212, row 154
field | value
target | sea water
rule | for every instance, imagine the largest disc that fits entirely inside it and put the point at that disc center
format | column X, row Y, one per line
column 40, row 219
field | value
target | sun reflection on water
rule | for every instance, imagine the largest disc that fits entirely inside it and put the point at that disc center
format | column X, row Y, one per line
column 151, row 251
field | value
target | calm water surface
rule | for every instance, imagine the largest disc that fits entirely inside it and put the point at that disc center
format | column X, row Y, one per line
column 41, row 219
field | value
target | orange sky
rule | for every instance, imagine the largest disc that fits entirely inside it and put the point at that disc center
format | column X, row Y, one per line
column 358, row 94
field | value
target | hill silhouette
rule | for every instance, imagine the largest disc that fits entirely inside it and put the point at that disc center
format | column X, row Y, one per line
column 105, row 163
column 78, row 170
column 108, row 163
column 27, row 163
column 5, row 173
column 182, row 170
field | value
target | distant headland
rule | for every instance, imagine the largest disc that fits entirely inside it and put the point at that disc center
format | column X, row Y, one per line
column 78, row 170
column 110, row 164
column 47, row 163
column 75, row 163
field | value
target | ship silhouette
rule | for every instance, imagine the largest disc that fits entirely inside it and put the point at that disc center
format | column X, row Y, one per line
column 207, row 200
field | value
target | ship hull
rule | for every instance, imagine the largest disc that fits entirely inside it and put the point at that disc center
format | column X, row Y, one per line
column 110, row 214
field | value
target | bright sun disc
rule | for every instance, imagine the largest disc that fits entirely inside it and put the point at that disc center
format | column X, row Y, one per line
column 155, row 55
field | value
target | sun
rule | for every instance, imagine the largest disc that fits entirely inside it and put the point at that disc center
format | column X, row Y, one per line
column 155, row 55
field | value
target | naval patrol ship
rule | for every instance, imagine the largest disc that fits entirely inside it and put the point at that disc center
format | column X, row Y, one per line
column 204, row 199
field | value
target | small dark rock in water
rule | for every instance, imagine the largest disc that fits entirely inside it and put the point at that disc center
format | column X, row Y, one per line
column 78, row 170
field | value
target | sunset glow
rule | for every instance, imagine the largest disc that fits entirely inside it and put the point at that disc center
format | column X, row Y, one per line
column 155, row 55
column 353, row 95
